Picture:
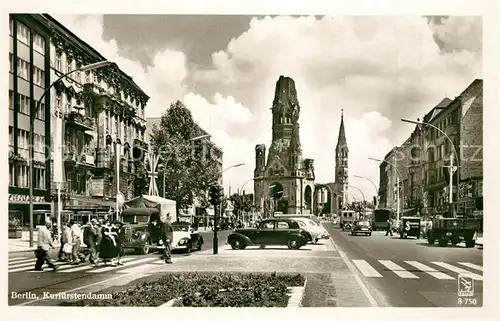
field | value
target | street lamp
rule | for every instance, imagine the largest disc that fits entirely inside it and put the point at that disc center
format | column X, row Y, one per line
column 216, row 240
column 451, row 167
column 364, row 199
column 375, row 186
column 33, row 111
column 397, row 183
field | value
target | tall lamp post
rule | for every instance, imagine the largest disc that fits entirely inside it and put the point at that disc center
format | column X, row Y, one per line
column 216, row 240
column 374, row 186
column 364, row 199
column 33, row 110
column 399, row 178
column 451, row 168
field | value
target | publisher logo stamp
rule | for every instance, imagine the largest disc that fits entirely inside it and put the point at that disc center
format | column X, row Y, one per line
column 465, row 286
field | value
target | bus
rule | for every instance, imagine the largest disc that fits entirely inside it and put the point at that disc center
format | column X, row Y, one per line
column 347, row 216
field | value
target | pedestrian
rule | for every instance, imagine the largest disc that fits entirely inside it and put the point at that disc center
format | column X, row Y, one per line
column 89, row 238
column 389, row 227
column 44, row 244
column 75, row 241
column 108, row 247
column 115, row 228
column 167, row 235
column 98, row 235
column 61, row 256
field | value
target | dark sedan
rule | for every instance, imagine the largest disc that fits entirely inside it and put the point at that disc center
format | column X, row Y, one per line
column 276, row 231
column 363, row 227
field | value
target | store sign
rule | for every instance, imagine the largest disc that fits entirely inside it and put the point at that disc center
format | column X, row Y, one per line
column 97, row 187
column 25, row 198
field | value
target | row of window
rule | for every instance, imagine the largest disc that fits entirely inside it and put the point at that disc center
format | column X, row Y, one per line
column 23, row 140
column 19, row 176
column 23, row 68
column 23, row 105
column 23, row 35
column 452, row 119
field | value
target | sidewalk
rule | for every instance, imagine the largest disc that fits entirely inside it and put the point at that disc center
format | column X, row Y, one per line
column 20, row 245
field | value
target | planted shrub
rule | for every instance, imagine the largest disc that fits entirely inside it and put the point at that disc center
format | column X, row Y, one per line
column 206, row 290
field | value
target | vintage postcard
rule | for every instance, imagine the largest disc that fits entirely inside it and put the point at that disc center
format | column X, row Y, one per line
column 257, row 160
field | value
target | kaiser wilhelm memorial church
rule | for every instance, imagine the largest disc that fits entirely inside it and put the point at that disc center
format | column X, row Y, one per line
column 285, row 182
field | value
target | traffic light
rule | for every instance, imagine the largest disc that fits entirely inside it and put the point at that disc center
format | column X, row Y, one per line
column 213, row 194
column 220, row 194
column 216, row 194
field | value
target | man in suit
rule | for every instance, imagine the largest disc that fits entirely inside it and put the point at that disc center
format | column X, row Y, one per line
column 168, row 234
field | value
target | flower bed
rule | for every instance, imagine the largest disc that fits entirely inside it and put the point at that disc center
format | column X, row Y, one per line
column 206, row 290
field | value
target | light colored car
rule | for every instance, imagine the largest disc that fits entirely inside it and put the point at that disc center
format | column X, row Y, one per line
column 316, row 230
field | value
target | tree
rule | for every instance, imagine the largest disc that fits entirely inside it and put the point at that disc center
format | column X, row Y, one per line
column 187, row 168
column 242, row 203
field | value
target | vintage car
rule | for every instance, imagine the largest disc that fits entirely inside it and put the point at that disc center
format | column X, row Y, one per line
column 276, row 231
column 362, row 227
column 186, row 238
column 410, row 226
column 141, row 230
column 316, row 230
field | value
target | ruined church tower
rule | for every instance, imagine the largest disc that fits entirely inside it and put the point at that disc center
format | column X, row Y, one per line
column 284, row 171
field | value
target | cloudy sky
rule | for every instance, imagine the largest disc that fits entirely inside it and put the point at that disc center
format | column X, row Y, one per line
column 224, row 68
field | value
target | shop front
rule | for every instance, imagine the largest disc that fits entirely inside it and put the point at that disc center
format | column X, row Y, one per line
column 19, row 217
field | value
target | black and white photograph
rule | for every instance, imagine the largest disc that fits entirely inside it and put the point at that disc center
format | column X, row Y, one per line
column 246, row 160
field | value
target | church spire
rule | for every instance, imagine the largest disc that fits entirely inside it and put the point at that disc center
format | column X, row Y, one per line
column 342, row 141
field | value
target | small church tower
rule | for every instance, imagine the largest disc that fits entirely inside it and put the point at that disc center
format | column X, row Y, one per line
column 341, row 164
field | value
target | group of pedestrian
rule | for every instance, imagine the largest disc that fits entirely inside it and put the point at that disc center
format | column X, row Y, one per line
column 101, row 237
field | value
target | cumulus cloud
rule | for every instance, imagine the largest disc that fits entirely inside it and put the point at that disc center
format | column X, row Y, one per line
column 378, row 69
column 391, row 65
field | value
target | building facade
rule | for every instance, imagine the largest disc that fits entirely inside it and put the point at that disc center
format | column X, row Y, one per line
column 102, row 120
column 285, row 172
column 29, row 58
column 424, row 159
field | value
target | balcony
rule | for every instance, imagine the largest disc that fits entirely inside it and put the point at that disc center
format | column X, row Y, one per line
column 87, row 160
column 78, row 120
column 140, row 144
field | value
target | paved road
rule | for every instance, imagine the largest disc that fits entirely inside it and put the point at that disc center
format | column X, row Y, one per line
column 409, row 272
column 24, row 280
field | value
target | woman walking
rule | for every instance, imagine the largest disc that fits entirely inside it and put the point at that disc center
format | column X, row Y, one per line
column 108, row 249
column 116, row 227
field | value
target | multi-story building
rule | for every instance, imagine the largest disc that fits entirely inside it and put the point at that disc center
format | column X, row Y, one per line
column 29, row 57
column 102, row 113
column 427, row 188
column 213, row 152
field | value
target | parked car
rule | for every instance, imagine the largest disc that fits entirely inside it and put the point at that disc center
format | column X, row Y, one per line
column 316, row 230
column 275, row 231
column 362, row 227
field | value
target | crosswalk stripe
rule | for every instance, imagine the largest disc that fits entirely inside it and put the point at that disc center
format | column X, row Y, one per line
column 138, row 269
column 73, row 268
column 17, row 265
column 398, row 270
column 366, row 269
column 18, row 259
column 109, row 268
column 472, row 266
column 458, row 270
column 432, row 272
column 31, row 267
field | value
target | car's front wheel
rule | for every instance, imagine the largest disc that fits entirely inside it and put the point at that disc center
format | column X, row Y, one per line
column 237, row 245
column 144, row 250
column 294, row 244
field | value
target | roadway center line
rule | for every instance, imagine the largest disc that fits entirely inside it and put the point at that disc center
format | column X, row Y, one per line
column 353, row 271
